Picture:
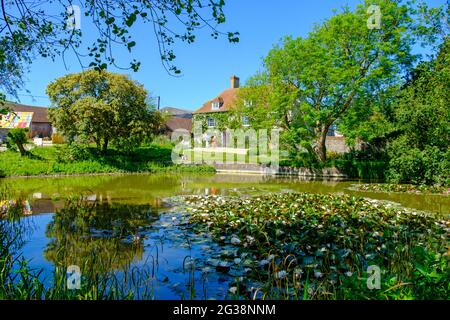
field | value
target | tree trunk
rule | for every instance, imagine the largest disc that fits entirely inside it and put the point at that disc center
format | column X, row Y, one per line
column 105, row 147
column 320, row 148
column 21, row 148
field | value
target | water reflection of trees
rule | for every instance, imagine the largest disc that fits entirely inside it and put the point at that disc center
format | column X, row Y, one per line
column 98, row 236
column 14, row 228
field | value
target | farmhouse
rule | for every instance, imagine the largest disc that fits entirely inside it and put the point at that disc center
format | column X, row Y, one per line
column 215, row 114
column 224, row 102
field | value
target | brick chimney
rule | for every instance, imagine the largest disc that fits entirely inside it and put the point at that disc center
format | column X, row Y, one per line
column 234, row 82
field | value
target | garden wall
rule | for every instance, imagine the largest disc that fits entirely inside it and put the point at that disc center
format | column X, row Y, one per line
column 282, row 171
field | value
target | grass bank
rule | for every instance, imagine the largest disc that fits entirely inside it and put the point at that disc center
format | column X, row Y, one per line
column 353, row 168
column 309, row 246
column 61, row 160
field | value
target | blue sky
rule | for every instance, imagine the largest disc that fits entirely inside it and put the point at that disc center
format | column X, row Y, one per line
column 207, row 64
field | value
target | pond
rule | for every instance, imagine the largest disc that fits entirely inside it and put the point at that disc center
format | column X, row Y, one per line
column 130, row 229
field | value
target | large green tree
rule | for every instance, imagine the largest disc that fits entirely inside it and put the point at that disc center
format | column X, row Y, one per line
column 102, row 107
column 421, row 151
column 308, row 84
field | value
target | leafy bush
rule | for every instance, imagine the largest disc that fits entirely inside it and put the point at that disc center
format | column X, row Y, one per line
column 361, row 169
column 302, row 160
column 160, row 140
column 333, row 155
column 421, row 153
column 57, row 138
column 73, row 152
column 429, row 166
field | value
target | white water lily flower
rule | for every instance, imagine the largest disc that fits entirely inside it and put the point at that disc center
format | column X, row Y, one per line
column 235, row 240
column 233, row 290
column 318, row 274
column 281, row 274
column 237, row 261
column 250, row 239
column 271, row 257
column 264, row 262
column 298, row 273
column 348, row 274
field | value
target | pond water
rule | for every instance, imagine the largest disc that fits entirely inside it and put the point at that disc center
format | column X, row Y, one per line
column 133, row 231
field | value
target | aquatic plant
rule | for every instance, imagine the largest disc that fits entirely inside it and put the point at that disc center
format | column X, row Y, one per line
column 311, row 246
column 407, row 188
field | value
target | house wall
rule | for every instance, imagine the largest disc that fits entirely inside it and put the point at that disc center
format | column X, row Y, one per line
column 3, row 133
column 337, row 144
column 36, row 129
column 40, row 129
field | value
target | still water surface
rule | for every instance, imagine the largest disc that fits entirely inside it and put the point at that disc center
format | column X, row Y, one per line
column 135, row 230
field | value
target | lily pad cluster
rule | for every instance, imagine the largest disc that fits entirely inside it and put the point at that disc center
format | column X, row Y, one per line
column 300, row 245
column 407, row 188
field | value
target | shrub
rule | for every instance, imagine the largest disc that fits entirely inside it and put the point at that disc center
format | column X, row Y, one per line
column 57, row 138
column 302, row 160
column 73, row 152
column 332, row 155
column 360, row 169
column 160, row 140
column 428, row 166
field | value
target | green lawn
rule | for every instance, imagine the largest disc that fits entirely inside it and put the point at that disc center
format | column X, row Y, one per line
column 53, row 161
column 221, row 156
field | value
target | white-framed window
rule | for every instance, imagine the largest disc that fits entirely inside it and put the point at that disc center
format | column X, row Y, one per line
column 215, row 105
column 248, row 103
column 211, row 122
column 245, row 121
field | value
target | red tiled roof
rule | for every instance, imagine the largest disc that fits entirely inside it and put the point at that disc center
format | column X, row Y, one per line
column 176, row 112
column 175, row 123
column 40, row 113
column 227, row 99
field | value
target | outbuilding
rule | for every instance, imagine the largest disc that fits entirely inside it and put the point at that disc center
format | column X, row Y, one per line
column 34, row 118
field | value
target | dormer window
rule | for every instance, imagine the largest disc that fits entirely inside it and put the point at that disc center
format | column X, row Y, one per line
column 215, row 105
column 245, row 121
